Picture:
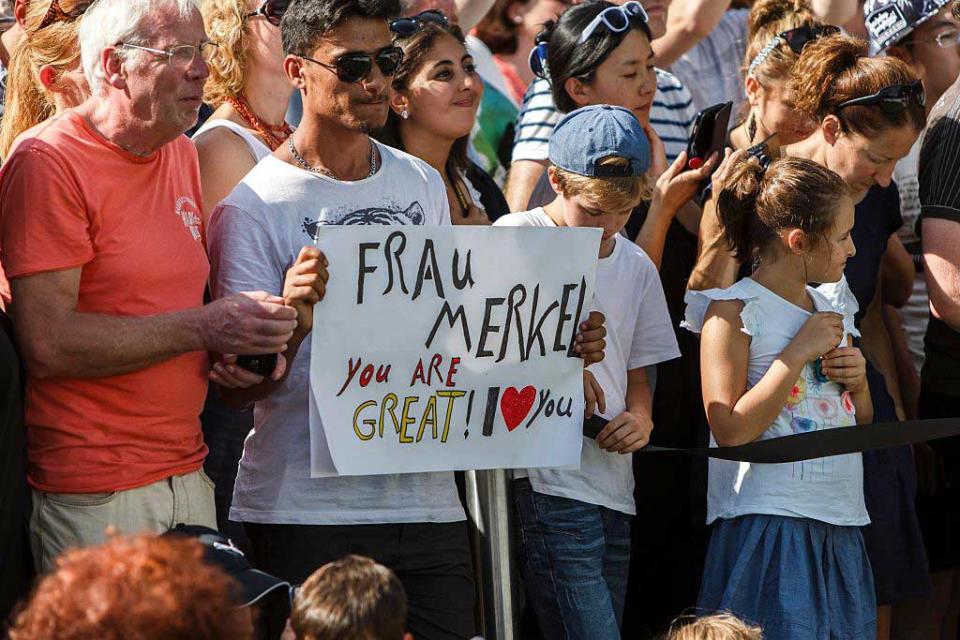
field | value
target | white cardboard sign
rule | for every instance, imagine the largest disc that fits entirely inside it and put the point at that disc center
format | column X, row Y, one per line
column 445, row 348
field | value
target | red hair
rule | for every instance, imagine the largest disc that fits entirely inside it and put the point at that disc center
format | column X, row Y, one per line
column 134, row 588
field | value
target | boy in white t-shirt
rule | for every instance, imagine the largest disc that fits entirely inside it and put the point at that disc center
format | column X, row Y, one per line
column 575, row 523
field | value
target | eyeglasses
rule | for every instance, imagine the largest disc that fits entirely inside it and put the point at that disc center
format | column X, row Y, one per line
column 893, row 99
column 797, row 39
column 55, row 13
column 182, row 54
column 272, row 10
column 616, row 19
column 944, row 39
column 354, row 67
column 406, row 27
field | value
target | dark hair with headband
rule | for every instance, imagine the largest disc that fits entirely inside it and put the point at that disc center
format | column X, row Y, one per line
column 566, row 59
column 792, row 193
column 836, row 69
column 416, row 47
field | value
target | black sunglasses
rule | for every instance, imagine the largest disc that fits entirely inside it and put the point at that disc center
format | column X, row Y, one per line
column 893, row 99
column 800, row 37
column 406, row 27
column 354, row 67
column 272, row 10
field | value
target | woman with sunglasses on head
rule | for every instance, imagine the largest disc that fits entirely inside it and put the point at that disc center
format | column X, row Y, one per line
column 868, row 113
column 778, row 30
column 600, row 53
column 248, row 88
column 45, row 76
column 433, row 109
column 671, row 112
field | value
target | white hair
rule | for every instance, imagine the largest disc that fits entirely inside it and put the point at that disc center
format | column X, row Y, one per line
column 108, row 22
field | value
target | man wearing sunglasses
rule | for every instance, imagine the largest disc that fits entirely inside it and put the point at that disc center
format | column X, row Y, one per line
column 102, row 242
column 340, row 56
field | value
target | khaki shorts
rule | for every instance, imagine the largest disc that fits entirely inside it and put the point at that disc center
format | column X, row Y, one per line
column 63, row 520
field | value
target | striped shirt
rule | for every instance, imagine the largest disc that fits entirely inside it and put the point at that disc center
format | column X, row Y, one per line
column 671, row 116
column 711, row 69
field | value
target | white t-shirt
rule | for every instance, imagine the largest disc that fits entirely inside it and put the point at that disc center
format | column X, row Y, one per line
column 255, row 235
column 915, row 314
column 639, row 334
column 826, row 489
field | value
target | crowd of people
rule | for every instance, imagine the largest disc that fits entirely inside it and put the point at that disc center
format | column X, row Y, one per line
column 168, row 165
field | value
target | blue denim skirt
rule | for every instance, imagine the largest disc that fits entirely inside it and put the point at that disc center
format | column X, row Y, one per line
column 799, row 579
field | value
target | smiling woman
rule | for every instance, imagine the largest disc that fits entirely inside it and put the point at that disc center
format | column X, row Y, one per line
column 433, row 109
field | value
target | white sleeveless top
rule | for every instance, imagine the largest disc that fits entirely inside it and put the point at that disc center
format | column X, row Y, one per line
column 826, row 489
column 257, row 149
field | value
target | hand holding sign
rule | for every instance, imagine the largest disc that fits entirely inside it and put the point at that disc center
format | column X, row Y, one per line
column 453, row 348
column 590, row 342
column 305, row 285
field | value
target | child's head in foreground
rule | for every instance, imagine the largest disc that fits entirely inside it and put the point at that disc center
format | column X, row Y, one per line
column 722, row 626
column 353, row 598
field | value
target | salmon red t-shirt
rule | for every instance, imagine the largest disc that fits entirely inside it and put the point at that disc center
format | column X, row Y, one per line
column 70, row 199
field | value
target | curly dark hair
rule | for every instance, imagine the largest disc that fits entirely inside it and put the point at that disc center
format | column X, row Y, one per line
column 134, row 588
column 305, row 22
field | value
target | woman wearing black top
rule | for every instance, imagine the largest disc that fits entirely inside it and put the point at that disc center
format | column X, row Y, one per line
column 433, row 108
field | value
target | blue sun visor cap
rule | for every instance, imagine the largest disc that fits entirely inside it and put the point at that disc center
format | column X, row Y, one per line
column 890, row 21
column 588, row 135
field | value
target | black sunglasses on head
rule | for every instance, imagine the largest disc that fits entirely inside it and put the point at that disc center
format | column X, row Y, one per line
column 354, row 67
column 800, row 37
column 272, row 10
column 406, row 27
column 55, row 13
column 893, row 99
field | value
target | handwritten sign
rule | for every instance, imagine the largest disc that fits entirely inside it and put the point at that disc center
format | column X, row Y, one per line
column 443, row 348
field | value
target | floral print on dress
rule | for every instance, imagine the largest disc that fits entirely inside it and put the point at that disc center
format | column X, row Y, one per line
column 798, row 393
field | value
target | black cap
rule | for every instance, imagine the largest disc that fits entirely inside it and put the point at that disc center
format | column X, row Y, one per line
column 220, row 551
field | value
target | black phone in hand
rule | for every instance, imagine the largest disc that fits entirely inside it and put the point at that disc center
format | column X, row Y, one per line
column 261, row 365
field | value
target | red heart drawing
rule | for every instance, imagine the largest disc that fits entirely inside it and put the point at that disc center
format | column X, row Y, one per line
column 515, row 405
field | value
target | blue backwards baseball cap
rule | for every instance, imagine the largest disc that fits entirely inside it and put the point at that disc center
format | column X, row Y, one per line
column 587, row 135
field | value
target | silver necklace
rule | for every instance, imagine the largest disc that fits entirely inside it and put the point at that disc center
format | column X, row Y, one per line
column 326, row 172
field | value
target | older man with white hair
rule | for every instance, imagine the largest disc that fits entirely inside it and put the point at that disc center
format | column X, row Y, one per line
column 103, row 244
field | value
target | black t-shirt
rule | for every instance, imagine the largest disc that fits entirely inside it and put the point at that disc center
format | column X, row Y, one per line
column 491, row 197
column 940, row 198
column 15, row 564
column 877, row 218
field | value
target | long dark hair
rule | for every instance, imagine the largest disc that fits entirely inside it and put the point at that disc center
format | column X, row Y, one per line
column 415, row 48
column 567, row 59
